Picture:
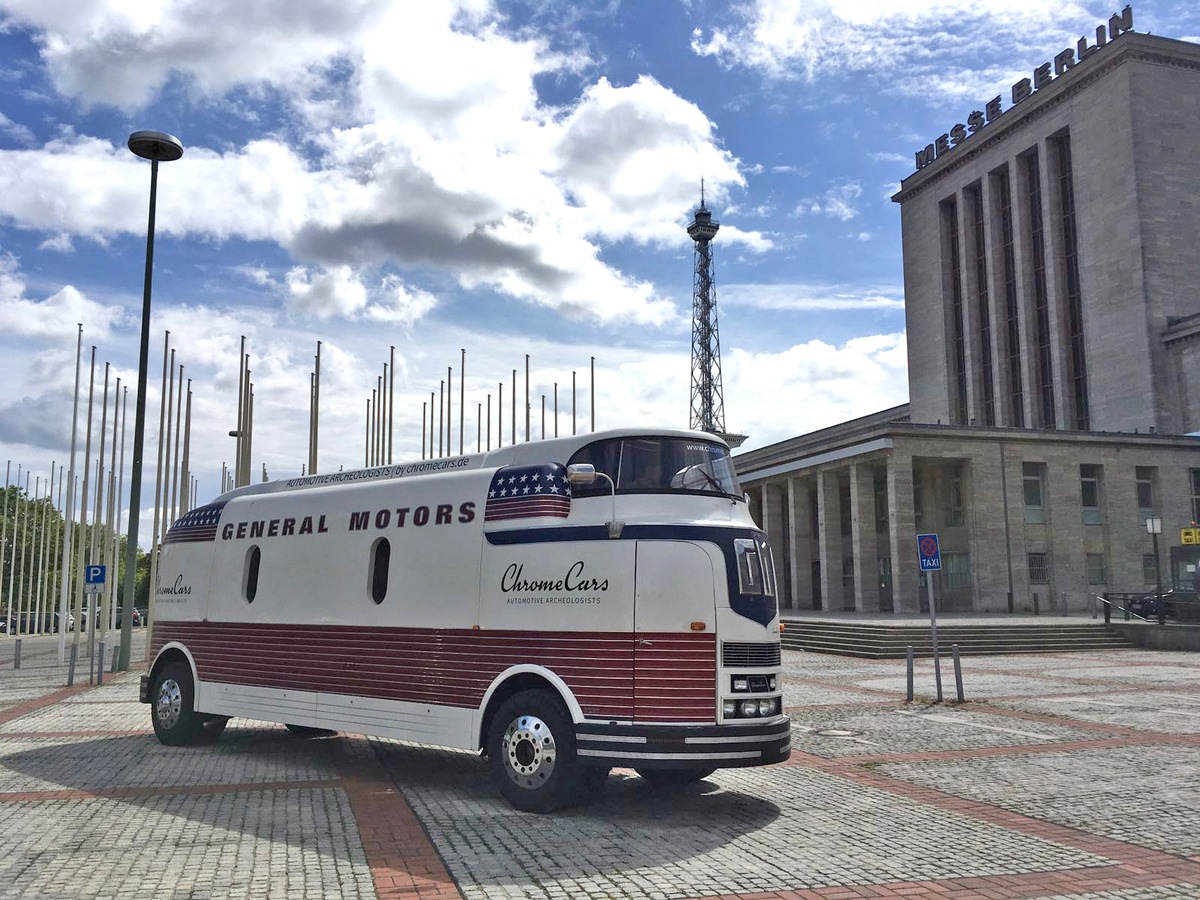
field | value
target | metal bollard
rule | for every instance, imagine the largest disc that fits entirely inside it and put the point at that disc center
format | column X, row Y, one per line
column 100, row 665
column 957, row 673
column 116, row 659
column 910, row 673
column 17, row 653
column 71, row 667
column 1107, row 612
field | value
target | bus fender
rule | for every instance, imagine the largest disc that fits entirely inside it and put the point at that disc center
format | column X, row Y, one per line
column 568, row 697
column 170, row 649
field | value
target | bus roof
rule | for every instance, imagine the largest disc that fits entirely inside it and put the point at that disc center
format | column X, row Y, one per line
column 534, row 451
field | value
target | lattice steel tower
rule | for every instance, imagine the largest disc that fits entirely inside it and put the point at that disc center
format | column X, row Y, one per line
column 708, row 404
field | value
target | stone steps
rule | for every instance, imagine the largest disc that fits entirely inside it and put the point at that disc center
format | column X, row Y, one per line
column 883, row 641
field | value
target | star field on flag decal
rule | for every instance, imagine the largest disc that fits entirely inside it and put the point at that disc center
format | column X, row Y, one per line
column 527, row 492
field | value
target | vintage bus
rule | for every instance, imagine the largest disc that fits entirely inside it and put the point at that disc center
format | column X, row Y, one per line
column 565, row 606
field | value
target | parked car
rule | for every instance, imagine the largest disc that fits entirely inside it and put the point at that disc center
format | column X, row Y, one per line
column 1175, row 603
column 139, row 616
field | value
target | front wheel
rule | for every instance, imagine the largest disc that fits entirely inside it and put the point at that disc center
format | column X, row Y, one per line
column 531, row 752
column 670, row 777
column 175, row 721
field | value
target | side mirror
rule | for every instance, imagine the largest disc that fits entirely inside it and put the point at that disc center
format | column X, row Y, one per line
column 581, row 473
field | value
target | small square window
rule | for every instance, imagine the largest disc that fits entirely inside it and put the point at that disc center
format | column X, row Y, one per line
column 1096, row 569
column 1039, row 572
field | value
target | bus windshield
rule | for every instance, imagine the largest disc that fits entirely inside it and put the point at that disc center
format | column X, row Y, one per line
column 659, row 464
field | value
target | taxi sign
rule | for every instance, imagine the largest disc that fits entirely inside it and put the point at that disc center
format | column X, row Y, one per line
column 928, row 553
column 1189, row 535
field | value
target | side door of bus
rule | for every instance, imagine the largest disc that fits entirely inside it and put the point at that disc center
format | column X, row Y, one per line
column 566, row 606
column 675, row 621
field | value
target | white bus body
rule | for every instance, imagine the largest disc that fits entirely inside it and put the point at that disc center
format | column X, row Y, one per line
column 495, row 601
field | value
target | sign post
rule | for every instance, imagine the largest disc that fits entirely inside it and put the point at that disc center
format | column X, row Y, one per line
column 93, row 584
column 929, row 556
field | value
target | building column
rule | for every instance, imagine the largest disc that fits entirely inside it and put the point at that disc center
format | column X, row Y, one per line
column 903, row 534
column 862, row 537
column 829, row 516
column 800, row 532
column 773, row 525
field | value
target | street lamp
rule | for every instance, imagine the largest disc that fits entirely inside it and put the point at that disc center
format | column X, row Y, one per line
column 1154, row 528
column 156, row 147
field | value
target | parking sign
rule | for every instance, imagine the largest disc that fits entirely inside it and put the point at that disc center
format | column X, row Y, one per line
column 93, row 579
column 928, row 553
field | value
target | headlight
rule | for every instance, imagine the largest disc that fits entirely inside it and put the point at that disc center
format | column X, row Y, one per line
column 729, row 709
column 749, row 707
column 741, row 684
column 766, row 707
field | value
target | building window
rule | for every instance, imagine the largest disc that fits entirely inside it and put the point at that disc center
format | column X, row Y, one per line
column 958, row 358
column 881, row 500
column 885, row 571
column 1041, row 301
column 1096, row 570
column 954, row 514
column 957, row 567
column 982, row 311
column 1195, row 473
column 1145, row 490
column 1016, row 399
column 1089, row 494
column 1149, row 570
column 1076, row 356
column 845, row 510
column 1039, row 571
column 848, row 575
column 1034, row 484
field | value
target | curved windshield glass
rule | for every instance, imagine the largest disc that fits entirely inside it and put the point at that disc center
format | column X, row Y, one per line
column 654, row 464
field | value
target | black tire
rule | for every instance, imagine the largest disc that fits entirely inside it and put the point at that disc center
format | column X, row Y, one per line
column 531, row 752
column 308, row 731
column 591, row 781
column 171, row 696
column 672, row 777
column 213, row 727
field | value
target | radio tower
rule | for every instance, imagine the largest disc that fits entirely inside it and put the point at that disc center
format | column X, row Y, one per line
column 708, row 405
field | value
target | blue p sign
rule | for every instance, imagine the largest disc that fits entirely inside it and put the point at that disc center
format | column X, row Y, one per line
column 93, row 575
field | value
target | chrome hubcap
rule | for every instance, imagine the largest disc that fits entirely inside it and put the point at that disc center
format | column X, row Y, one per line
column 169, row 703
column 529, row 752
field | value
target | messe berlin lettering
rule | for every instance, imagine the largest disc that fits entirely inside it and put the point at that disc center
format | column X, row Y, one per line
column 1118, row 24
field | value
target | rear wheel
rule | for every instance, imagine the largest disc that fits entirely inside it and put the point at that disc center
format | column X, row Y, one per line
column 531, row 752
column 175, row 721
column 308, row 731
column 668, row 777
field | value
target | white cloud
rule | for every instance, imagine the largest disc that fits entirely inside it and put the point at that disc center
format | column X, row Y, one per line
column 335, row 291
column 890, row 38
column 812, row 297
column 29, row 318
column 400, row 305
column 838, row 202
column 433, row 150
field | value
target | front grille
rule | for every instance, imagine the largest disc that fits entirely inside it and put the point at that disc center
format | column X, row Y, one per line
column 749, row 656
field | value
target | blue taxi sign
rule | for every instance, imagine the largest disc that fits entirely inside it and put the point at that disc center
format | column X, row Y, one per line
column 928, row 552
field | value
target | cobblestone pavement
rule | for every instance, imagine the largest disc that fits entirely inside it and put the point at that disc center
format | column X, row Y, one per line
column 1070, row 776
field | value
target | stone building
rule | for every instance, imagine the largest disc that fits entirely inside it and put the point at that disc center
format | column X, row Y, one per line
column 1053, row 319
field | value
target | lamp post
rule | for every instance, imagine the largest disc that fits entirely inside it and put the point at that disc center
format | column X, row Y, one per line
column 1154, row 528
column 156, row 147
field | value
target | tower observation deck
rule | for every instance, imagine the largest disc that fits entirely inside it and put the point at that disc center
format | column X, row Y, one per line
column 708, row 404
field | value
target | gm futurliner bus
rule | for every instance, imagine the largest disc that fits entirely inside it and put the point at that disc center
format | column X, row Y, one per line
column 565, row 606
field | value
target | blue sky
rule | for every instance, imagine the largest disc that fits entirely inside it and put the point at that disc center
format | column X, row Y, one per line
column 510, row 178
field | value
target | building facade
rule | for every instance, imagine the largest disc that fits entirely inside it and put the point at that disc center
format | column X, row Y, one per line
column 1053, row 320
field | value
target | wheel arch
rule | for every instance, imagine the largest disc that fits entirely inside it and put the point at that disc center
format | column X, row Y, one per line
column 522, row 678
column 172, row 652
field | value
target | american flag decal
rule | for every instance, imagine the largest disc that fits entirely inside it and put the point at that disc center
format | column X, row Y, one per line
column 200, row 524
column 526, row 492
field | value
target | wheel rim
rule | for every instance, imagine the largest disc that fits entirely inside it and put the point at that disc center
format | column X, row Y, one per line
column 529, row 752
column 169, row 703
